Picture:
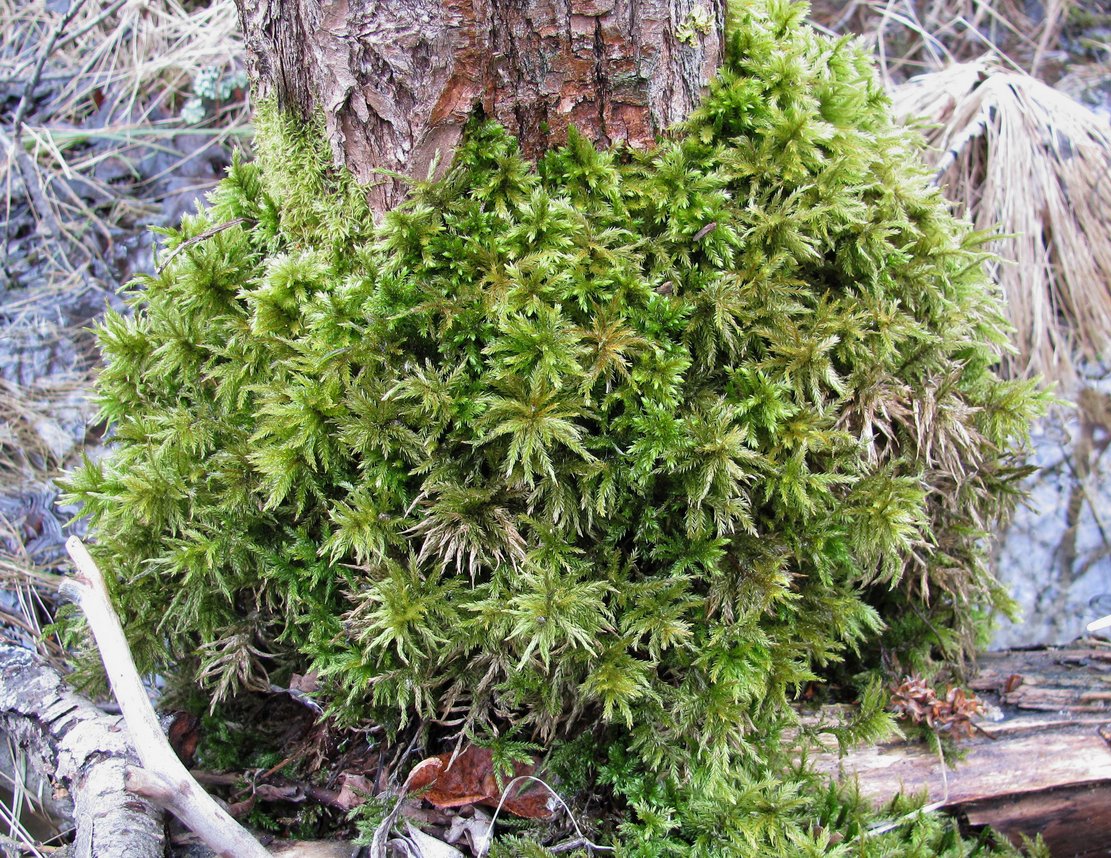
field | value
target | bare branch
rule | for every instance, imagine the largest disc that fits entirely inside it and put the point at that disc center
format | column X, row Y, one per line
column 165, row 780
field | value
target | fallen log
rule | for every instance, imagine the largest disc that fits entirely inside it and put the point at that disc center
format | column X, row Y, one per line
column 84, row 753
column 1039, row 763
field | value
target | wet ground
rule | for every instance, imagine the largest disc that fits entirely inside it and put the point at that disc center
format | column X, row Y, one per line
column 75, row 225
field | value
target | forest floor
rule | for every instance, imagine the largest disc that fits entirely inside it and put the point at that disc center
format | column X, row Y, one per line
column 116, row 117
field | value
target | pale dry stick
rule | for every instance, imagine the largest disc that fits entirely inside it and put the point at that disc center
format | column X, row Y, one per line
column 163, row 778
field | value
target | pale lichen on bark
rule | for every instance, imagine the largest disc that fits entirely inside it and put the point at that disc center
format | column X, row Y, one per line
column 396, row 82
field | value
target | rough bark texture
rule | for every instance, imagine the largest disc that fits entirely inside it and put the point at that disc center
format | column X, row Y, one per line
column 82, row 751
column 397, row 81
column 1044, row 767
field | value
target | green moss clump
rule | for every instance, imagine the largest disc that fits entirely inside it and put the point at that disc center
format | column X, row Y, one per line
column 630, row 445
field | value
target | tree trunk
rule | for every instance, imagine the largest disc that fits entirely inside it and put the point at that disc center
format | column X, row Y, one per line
column 397, row 81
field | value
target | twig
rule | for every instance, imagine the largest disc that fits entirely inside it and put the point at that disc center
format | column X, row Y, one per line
column 570, row 846
column 163, row 778
column 99, row 19
column 319, row 794
column 14, row 144
column 705, row 231
column 484, row 846
column 24, row 846
column 208, row 233
column 33, row 80
column 31, row 185
column 380, row 841
column 400, row 760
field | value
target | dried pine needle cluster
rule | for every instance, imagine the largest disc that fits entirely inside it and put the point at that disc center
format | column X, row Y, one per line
column 1012, row 150
column 613, row 452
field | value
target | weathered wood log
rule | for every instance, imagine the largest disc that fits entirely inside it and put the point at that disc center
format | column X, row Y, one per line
column 82, row 752
column 1042, row 767
column 396, row 82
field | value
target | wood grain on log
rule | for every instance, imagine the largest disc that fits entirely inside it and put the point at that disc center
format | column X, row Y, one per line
column 1043, row 768
column 396, row 82
column 83, row 752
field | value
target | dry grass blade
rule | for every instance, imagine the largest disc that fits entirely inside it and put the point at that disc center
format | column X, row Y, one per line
column 111, row 74
column 912, row 36
column 130, row 54
column 24, row 810
column 1017, row 155
column 94, row 144
column 33, row 440
column 25, row 589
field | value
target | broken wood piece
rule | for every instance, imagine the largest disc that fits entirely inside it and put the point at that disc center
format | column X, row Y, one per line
column 163, row 779
column 84, row 754
column 1044, row 768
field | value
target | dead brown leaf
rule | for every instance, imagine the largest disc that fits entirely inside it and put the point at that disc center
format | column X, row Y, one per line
column 470, row 779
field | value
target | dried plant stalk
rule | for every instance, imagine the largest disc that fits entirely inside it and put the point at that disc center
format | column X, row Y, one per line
column 1019, row 157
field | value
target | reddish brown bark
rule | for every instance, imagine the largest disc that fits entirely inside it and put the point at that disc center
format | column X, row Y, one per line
column 397, row 81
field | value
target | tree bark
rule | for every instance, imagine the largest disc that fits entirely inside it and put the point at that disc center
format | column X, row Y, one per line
column 397, row 81
column 84, row 753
